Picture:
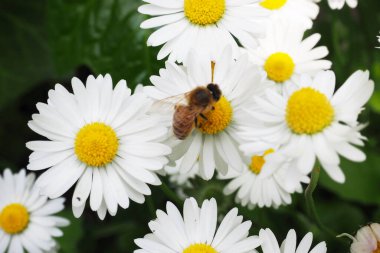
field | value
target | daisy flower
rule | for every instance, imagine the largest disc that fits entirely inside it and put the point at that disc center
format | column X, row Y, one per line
column 366, row 240
column 256, row 189
column 199, row 24
column 309, row 121
column 338, row 4
column 100, row 138
column 289, row 245
column 28, row 221
column 299, row 11
column 214, row 142
column 196, row 231
column 284, row 55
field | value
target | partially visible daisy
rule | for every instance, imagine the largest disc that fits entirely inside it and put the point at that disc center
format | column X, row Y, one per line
column 197, row 231
column 284, row 55
column 181, row 179
column 302, row 12
column 378, row 39
column 254, row 189
column 338, row 4
column 366, row 240
column 101, row 138
column 214, row 144
column 28, row 221
column 289, row 245
column 206, row 25
column 309, row 121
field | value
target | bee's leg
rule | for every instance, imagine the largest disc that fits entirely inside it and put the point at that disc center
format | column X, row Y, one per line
column 197, row 124
column 203, row 116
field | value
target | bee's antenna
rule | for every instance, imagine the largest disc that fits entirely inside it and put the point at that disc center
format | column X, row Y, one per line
column 212, row 71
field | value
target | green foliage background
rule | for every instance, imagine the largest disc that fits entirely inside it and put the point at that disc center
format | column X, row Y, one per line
column 45, row 42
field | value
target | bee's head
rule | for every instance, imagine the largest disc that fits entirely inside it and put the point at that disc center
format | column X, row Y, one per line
column 215, row 91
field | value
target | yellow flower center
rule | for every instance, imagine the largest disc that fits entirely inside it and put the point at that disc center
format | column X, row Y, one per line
column 279, row 67
column 199, row 248
column 308, row 111
column 272, row 4
column 14, row 218
column 377, row 250
column 204, row 12
column 258, row 161
column 217, row 119
column 96, row 144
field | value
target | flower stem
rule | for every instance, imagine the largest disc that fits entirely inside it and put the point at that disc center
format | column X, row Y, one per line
column 310, row 205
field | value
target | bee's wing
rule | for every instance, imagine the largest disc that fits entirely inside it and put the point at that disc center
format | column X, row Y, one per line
column 169, row 103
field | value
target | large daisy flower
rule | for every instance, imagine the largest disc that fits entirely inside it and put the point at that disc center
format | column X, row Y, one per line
column 299, row 11
column 310, row 121
column 28, row 221
column 289, row 245
column 214, row 142
column 207, row 25
column 196, row 231
column 367, row 239
column 284, row 55
column 101, row 138
column 254, row 189
column 338, row 4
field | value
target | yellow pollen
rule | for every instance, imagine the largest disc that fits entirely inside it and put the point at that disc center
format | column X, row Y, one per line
column 272, row 4
column 258, row 161
column 279, row 67
column 199, row 248
column 308, row 111
column 96, row 144
column 14, row 218
column 217, row 119
column 204, row 12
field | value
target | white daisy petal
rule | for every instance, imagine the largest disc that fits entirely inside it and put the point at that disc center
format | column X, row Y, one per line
column 289, row 245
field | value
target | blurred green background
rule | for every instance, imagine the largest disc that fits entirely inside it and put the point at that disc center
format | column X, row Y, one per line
column 45, row 42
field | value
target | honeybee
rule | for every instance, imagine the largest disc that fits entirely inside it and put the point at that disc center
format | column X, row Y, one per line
column 199, row 101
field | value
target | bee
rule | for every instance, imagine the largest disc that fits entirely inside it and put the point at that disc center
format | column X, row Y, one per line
column 199, row 101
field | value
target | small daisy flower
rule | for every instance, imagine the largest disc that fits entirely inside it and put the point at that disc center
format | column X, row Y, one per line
column 289, row 245
column 338, row 4
column 309, row 121
column 284, row 55
column 366, row 240
column 214, row 142
column 274, row 190
column 200, row 24
column 302, row 12
column 28, row 221
column 100, row 138
column 196, row 231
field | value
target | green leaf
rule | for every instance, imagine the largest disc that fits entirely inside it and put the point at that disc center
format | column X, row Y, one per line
column 337, row 210
column 71, row 234
column 25, row 56
column 104, row 35
column 362, row 180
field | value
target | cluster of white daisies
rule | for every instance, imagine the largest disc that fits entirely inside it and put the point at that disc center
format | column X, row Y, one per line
column 279, row 116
